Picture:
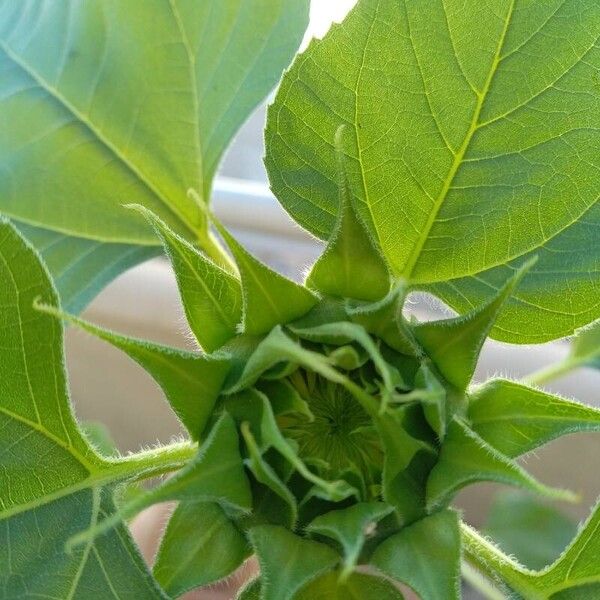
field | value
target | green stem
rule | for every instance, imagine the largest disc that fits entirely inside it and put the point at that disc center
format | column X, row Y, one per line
column 547, row 374
column 480, row 583
column 150, row 463
column 491, row 561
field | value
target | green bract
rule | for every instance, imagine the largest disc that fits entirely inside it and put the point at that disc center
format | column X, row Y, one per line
column 447, row 146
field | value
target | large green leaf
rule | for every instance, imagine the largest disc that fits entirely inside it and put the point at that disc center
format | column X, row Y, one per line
column 81, row 267
column 575, row 575
column 52, row 483
column 130, row 102
column 475, row 129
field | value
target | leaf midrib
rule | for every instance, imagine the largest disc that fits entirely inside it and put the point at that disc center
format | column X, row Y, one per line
column 458, row 160
column 81, row 118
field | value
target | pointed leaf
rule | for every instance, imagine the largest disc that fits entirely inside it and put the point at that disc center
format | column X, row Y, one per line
column 196, row 531
column 215, row 474
column 351, row 266
column 384, row 319
column 358, row 586
column 425, row 556
column 133, row 102
column 284, row 398
column 350, row 527
column 270, row 299
column 191, row 381
column 287, row 561
column 53, row 484
column 454, row 344
column 407, row 462
column 211, row 297
column 466, row 458
column 516, row 419
column 265, row 474
column 575, row 575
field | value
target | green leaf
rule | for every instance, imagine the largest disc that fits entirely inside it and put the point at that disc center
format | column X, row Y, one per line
column 350, row 527
column 80, row 267
column 211, row 297
column 196, row 531
column 285, row 399
column 384, row 319
column 516, row 419
column 425, row 556
column 403, row 486
column 269, row 298
column 215, row 474
column 287, row 509
column 287, row 561
column 191, row 381
column 555, row 297
column 466, row 458
column 454, row 344
column 455, row 111
column 575, row 575
column 358, row 586
column 351, row 266
column 53, row 483
column 130, row 102
column 533, row 532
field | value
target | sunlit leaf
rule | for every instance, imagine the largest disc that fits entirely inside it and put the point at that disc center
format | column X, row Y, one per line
column 468, row 126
